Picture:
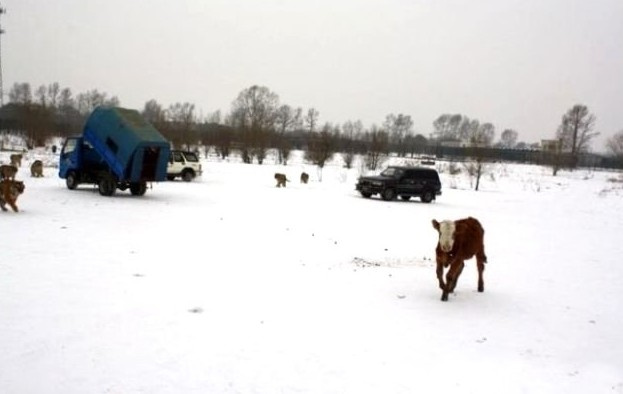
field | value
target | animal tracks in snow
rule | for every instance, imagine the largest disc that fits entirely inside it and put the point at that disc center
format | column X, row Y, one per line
column 392, row 262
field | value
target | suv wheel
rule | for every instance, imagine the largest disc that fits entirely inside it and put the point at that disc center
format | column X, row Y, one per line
column 388, row 194
column 187, row 175
column 427, row 196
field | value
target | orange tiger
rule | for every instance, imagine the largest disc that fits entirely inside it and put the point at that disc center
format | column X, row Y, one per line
column 36, row 169
column 9, row 191
column 8, row 171
column 281, row 179
column 16, row 159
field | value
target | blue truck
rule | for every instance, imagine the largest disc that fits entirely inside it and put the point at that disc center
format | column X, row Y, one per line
column 118, row 149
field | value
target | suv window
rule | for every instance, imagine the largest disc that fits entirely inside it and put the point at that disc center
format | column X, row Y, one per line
column 428, row 175
column 411, row 174
column 191, row 156
column 392, row 172
column 431, row 175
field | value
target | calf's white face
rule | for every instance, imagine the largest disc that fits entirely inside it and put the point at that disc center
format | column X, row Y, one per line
column 446, row 235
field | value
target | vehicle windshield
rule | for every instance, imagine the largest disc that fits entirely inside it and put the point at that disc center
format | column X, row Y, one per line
column 70, row 146
column 191, row 156
column 392, row 172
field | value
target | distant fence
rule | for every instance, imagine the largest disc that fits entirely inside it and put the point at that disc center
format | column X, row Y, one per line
column 527, row 156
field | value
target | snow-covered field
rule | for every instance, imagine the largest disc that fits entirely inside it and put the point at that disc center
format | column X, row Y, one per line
column 230, row 285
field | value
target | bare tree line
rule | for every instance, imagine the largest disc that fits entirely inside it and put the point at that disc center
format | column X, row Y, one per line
column 258, row 121
column 49, row 111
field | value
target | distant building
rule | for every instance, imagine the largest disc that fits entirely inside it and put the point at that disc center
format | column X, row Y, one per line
column 550, row 145
column 451, row 143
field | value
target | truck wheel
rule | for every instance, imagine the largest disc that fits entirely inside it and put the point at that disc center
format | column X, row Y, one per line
column 388, row 194
column 71, row 180
column 138, row 188
column 427, row 196
column 187, row 175
column 107, row 186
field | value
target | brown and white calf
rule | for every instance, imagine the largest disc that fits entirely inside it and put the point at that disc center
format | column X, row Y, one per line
column 459, row 240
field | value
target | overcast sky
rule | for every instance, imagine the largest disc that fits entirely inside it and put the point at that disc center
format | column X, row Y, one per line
column 518, row 64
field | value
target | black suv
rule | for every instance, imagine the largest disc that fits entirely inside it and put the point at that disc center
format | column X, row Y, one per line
column 405, row 182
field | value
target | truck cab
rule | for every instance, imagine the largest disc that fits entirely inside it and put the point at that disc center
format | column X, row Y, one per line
column 74, row 153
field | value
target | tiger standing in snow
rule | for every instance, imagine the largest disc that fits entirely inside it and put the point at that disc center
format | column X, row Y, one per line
column 281, row 179
column 9, row 191
column 8, row 171
column 36, row 169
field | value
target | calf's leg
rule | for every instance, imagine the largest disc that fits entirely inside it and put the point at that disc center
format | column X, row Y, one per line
column 453, row 274
column 481, row 259
column 458, row 269
column 442, row 285
column 451, row 277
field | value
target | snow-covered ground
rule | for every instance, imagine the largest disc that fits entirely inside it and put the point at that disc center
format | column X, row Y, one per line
column 230, row 285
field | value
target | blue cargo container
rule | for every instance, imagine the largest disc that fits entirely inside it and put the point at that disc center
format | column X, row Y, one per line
column 118, row 149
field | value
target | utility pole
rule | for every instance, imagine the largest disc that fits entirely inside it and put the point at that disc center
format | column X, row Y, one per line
column 2, row 11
